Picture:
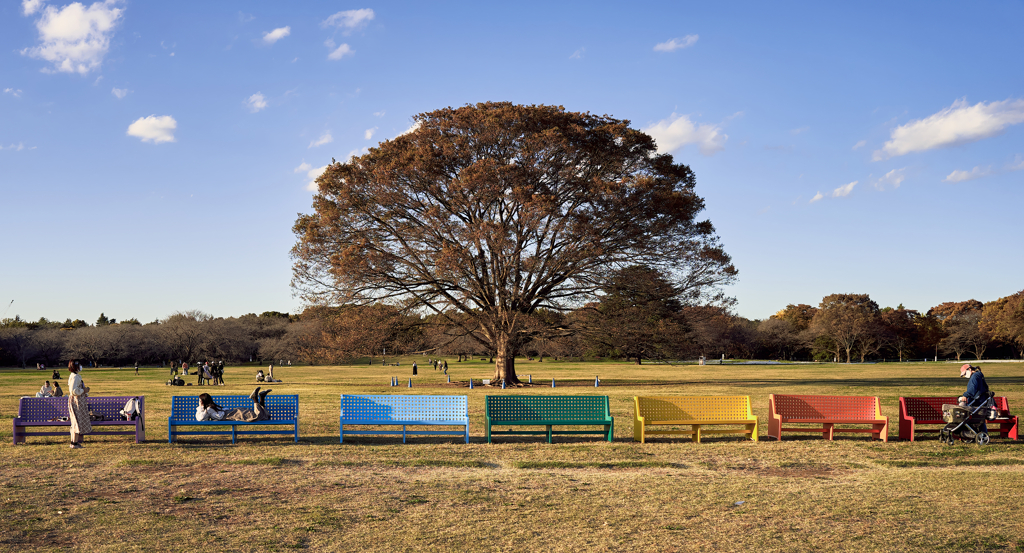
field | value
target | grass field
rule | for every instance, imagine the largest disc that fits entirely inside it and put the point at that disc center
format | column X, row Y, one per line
column 578, row 494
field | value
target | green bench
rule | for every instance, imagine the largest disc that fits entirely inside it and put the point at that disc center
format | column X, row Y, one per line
column 548, row 411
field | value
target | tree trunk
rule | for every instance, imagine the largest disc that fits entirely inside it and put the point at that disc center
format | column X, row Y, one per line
column 638, row 360
column 505, row 368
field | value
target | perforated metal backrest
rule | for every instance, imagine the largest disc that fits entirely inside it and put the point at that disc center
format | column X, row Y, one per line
column 281, row 407
column 404, row 407
column 668, row 408
column 535, row 408
column 826, row 407
column 930, row 408
column 41, row 409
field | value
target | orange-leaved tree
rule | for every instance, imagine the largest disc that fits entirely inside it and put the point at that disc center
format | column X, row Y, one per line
column 486, row 213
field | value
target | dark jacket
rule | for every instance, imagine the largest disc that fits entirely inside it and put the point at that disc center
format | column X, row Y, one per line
column 977, row 389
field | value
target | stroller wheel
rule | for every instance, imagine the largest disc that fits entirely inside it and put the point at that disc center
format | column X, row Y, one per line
column 982, row 438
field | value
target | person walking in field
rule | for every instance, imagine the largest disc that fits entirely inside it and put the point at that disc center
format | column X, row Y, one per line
column 78, row 407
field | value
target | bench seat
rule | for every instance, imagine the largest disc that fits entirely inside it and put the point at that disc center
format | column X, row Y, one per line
column 915, row 411
column 284, row 411
column 36, row 412
column 404, row 411
column 697, row 412
column 826, row 411
column 548, row 411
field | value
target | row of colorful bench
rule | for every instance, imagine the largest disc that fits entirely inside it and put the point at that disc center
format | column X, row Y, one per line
column 693, row 416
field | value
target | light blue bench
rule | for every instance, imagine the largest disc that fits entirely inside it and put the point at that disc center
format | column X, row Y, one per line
column 404, row 410
column 284, row 411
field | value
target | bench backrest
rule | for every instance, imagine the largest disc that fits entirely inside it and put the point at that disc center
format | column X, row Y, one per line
column 825, row 407
column 41, row 409
column 930, row 408
column 404, row 408
column 281, row 407
column 675, row 408
column 540, row 408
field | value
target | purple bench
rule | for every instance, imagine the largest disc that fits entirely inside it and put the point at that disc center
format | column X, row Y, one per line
column 35, row 412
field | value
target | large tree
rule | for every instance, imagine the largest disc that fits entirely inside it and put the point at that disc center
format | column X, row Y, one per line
column 845, row 321
column 484, row 214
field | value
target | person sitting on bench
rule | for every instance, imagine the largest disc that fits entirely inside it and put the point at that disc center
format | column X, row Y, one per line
column 208, row 410
column 977, row 388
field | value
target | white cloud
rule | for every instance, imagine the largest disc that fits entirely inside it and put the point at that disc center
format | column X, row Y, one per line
column 957, row 124
column 276, row 35
column 844, row 190
column 369, row 133
column 411, row 128
column 800, row 130
column 312, row 173
column 324, row 139
column 245, row 17
column 678, row 131
column 860, row 144
column 578, row 54
column 676, row 44
column 349, row 20
column 154, row 129
column 379, row 113
column 30, row 7
column 256, row 102
column 17, row 147
column 119, row 92
column 894, row 178
column 816, row 197
column 961, row 176
column 16, row 92
column 1018, row 163
column 339, row 52
column 74, row 38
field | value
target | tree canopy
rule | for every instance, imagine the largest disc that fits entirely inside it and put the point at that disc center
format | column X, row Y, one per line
column 493, row 211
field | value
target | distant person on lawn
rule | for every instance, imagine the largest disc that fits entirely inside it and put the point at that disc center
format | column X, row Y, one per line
column 208, row 410
column 45, row 390
column 57, row 392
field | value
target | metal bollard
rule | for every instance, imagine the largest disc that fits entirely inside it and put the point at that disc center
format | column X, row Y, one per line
column 410, row 383
column 449, row 379
column 470, row 383
column 597, row 381
column 552, row 382
column 531, row 379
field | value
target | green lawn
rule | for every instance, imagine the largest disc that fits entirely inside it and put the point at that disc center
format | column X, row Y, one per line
column 520, row 494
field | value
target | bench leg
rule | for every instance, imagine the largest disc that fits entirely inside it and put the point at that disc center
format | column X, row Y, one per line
column 752, row 428
column 549, row 434
column 170, row 433
column 403, row 433
column 341, row 433
column 488, row 431
column 882, row 430
column 695, row 437
column 234, row 436
column 826, row 431
column 296, row 430
column 467, row 433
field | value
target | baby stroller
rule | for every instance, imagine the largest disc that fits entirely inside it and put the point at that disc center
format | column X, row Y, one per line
column 968, row 422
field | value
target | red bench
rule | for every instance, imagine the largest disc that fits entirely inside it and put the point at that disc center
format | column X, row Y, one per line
column 827, row 411
column 928, row 410
column 36, row 412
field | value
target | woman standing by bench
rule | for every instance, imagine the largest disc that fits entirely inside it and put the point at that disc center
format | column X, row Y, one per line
column 78, row 407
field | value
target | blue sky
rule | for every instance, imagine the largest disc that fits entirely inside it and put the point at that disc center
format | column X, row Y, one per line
column 155, row 155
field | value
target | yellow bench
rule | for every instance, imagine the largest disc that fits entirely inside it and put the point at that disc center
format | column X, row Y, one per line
column 695, row 412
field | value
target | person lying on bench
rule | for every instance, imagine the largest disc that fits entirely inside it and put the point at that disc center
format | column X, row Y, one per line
column 208, row 410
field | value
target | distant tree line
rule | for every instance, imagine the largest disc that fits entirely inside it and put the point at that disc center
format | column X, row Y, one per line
column 183, row 336
column 640, row 316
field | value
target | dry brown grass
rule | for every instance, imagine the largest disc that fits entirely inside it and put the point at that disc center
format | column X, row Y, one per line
column 437, row 494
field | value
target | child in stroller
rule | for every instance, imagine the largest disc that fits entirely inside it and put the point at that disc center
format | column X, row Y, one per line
column 966, row 421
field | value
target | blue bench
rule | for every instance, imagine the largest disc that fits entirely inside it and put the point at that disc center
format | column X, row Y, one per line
column 405, row 410
column 34, row 412
column 284, row 411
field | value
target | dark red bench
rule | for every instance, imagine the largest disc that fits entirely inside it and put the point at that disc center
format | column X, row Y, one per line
column 928, row 410
column 38, row 412
column 827, row 411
